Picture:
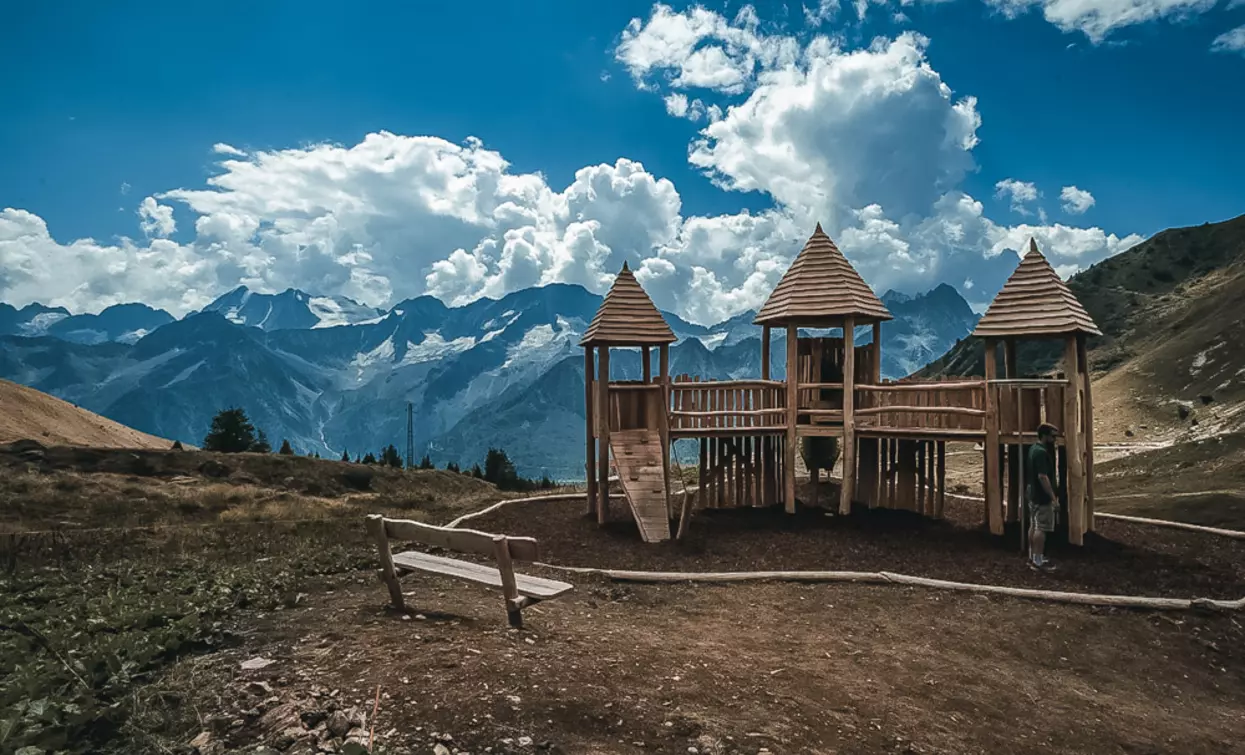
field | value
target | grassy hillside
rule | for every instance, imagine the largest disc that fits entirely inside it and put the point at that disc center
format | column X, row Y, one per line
column 33, row 415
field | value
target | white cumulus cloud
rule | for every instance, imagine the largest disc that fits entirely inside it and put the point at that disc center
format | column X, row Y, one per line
column 1075, row 201
column 156, row 219
column 1020, row 193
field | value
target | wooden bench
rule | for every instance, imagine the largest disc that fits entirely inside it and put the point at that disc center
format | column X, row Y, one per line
column 519, row 590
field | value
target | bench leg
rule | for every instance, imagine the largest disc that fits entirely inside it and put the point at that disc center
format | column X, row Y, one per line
column 388, row 574
column 514, row 615
column 514, row 604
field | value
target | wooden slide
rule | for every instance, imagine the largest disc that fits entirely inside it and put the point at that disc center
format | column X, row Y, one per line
column 637, row 457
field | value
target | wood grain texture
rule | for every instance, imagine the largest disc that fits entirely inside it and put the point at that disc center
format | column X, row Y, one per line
column 1035, row 301
column 819, row 289
column 627, row 317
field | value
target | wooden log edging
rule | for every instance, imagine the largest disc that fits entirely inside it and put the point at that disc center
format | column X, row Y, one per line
column 1220, row 531
column 892, row 578
column 531, row 499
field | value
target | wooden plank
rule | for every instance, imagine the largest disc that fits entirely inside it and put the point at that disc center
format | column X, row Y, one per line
column 529, row 586
column 765, row 351
column 848, row 490
column 793, row 381
column 918, row 409
column 940, row 475
column 1072, row 442
column 920, row 386
column 603, row 471
column 994, row 499
column 590, row 463
column 663, row 374
column 1087, row 413
column 701, row 480
column 462, row 540
column 920, row 477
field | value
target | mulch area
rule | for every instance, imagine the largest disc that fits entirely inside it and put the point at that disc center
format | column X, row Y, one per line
column 1119, row 558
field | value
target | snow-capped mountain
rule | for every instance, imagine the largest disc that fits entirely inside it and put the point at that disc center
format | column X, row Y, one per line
column 291, row 309
column 491, row 373
column 30, row 320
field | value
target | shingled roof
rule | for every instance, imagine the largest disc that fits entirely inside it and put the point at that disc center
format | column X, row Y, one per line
column 627, row 317
column 821, row 288
column 1035, row 302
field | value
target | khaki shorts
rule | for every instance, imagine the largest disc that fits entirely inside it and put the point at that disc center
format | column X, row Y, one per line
column 1042, row 517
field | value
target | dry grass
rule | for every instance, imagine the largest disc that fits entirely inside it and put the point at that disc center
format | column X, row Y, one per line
column 78, row 489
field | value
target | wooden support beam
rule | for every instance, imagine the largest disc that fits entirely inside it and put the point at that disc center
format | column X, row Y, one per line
column 1072, row 439
column 603, row 423
column 388, row 574
column 509, row 590
column 921, row 479
column 940, row 475
column 663, row 418
column 765, row 339
column 1087, row 427
column 646, row 364
column 793, row 381
column 994, row 498
column 848, row 490
column 590, row 456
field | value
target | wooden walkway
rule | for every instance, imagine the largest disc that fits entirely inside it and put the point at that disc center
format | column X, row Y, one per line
column 637, row 457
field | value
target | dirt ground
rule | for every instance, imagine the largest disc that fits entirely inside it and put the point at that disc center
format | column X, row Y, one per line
column 740, row 669
column 613, row 667
column 1120, row 558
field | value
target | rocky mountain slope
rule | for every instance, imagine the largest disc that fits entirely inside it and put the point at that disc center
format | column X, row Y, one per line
column 1170, row 358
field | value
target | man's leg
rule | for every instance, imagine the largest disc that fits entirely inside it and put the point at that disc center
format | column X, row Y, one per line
column 1037, row 544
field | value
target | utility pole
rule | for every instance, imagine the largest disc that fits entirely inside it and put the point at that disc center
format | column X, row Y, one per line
column 410, row 435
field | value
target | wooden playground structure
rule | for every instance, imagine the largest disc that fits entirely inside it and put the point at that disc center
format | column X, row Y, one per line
column 892, row 434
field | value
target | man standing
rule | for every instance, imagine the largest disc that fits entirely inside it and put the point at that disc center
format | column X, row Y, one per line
column 1040, row 494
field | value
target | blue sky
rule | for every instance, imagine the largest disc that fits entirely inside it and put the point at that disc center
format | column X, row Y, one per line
column 110, row 104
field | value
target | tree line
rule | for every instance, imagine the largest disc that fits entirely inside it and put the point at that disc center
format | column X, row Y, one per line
column 233, row 432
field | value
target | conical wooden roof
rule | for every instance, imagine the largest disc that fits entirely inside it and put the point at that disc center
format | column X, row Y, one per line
column 627, row 317
column 821, row 288
column 1035, row 302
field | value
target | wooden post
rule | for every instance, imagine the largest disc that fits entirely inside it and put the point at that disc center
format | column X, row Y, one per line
column 1072, row 442
column 590, row 463
column 603, row 432
column 994, row 499
column 388, row 574
column 1015, row 450
column 793, row 380
column 646, row 368
column 848, row 491
column 501, row 552
column 1087, row 413
column 920, row 477
column 941, row 476
column 765, row 334
column 663, row 419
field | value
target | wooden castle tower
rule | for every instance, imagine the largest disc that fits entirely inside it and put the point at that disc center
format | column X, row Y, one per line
column 892, row 434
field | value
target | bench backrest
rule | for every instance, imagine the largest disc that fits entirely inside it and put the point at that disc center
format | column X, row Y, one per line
column 464, row 541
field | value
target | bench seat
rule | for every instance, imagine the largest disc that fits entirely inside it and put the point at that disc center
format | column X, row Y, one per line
column 528, row 586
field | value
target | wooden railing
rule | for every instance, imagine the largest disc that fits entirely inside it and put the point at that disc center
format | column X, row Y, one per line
column 958, row 405
column 1025, row 404
column 709, row 407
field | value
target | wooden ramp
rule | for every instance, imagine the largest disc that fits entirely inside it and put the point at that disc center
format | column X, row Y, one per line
column 637, row 457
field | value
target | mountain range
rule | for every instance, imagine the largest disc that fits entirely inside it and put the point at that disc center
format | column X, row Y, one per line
column 332, row 375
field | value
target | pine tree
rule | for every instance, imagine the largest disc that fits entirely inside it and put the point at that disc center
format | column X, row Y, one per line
column 345, row 456
column 368, row 458
column 499, row 470
column 231, row 432
column 390, row 456
column 426, row 462
column 476, row 473
column 261, row 444
column 285, row 448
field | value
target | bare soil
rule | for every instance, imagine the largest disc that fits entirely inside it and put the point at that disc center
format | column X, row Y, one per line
column 1120, row 558
column 741, row 669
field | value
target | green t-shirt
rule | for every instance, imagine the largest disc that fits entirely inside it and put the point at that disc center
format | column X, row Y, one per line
column 1039, row 460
